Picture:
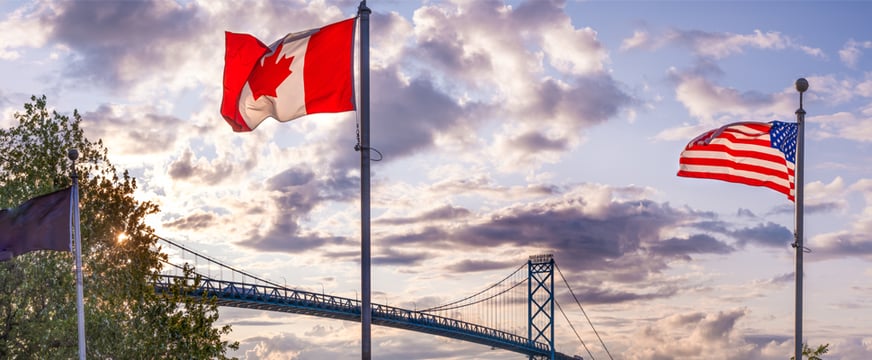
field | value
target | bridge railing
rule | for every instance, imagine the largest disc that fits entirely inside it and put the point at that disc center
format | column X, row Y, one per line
column 250, row 291
column 425, row 319
column 223, row 289
column 260, row 296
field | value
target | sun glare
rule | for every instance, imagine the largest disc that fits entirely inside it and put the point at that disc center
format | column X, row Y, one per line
column 122, row 237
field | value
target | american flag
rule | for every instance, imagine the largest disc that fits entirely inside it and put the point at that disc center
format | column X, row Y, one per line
column 751, row 153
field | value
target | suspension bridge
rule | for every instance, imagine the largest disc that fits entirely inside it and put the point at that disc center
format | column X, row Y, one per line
column 515, row 314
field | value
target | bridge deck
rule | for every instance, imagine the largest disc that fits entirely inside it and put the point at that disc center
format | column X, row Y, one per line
column 261, row 297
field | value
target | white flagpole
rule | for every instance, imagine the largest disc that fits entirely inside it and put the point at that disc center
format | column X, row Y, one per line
column 365, row 260
column 73, row 154
column 801, row 86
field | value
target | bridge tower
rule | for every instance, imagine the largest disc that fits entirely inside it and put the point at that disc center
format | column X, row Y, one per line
column 540, row 302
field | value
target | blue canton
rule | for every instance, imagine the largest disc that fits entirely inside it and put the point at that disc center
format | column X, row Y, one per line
column 783, row 137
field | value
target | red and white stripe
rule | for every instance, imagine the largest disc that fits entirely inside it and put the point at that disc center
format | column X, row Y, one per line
column 739, row 153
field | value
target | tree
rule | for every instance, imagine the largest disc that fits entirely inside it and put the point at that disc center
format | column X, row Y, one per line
column 815, row 354
column 124, row 315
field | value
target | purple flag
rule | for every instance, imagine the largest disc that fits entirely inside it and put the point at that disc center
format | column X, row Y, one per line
column 41, row 223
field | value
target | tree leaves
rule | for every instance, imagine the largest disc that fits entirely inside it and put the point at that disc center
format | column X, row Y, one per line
column 123, row 314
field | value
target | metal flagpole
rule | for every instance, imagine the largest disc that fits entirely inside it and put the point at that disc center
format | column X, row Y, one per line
column 801, row 86
column 365, row 262
column 73, row 154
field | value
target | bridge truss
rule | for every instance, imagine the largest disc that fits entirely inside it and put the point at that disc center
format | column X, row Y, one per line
column 251, row 292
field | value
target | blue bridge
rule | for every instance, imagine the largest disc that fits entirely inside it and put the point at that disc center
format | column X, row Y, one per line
column 531, row 290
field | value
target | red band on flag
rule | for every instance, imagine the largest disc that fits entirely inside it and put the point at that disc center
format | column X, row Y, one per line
column 329, row 60
column 242, row 51
column 756, row 154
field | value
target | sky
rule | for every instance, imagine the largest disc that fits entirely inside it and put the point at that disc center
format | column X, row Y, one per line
column 508, row 129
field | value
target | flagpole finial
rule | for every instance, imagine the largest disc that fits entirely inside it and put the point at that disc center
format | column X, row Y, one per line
column 73, row 154
column 801, row 85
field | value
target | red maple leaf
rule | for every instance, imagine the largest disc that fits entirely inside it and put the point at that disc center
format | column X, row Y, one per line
column 269, row 74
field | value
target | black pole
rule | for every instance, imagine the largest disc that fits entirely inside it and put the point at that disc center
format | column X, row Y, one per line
column 365, row 260
column 798, row 179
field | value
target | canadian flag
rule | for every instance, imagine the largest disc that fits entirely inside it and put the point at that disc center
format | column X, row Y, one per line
column 304, row 73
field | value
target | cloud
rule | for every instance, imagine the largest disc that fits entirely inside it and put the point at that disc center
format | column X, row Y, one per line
column 295, row 193
column 132, row 130
column 852, row 50
column 417, row 108
column 410, row 113
column 719, row 45
column 484, row 186
column 786, row 278
column 553, row 118
column 117, row 43
column 841, row 244
column 198, row 169
column 342, row 343
column 696, row 244
column 706, row 100
column 698, row 335
column 476, row 45
column 144, row 48
column 769, row 234
column 742, row 212
column 446, row 212
column 389, row 37
column 638, row 40
column 394, row 257
column 596, row 230
column 197, row 221
column 281, row 346
column 468, row 265
column 853, row 240
column 23, row 30
column 844, row 125
column 591, row 295
column 820, row 198
column 567, row 49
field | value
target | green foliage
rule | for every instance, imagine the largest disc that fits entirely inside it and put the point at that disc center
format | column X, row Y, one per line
column 124, row 316
column 815, row 354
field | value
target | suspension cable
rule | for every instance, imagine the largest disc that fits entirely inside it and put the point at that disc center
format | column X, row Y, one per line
column 583, row 312
column 573, row 329
column 219, row 263
column 444, row 306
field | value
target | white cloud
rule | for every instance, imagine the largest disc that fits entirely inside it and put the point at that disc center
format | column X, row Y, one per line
column 639, row 39
column 499, row 52
column 698, row 335
column 718, row 45
column 22, row 29
column 832, row 89
column 573, row 51
column 853, row 240
column 706, row 100
column 852, row 50
column 843, row 124
column 390, row 39
column 864, row 88
column 819, row 193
